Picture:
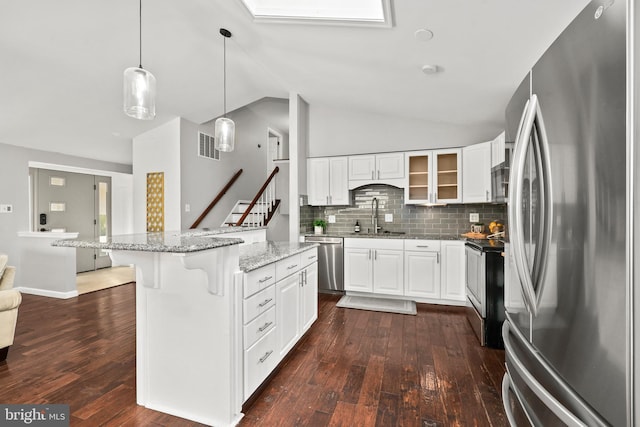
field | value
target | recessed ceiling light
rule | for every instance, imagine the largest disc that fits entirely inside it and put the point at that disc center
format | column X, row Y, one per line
column 423, row 35
column 430, row 69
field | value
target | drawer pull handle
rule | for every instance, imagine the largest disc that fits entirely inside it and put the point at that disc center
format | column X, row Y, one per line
column 266, row 356
column 312, row 257
column 265, row 326
column 265, row 279
column 422, row 246
column 265, row 302
column 292, row 266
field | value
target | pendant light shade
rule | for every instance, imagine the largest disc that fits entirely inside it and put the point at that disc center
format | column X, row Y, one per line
column 225, row 130
column 139, row 87
column 139, row 93
column 225, row 134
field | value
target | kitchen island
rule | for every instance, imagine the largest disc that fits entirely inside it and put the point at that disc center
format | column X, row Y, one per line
column 192, row 358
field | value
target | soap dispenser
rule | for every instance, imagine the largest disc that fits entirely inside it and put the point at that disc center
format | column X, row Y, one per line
column 356, row 228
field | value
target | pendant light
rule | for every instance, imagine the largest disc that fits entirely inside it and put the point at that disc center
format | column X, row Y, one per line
column 139, row 88
column 225, row 130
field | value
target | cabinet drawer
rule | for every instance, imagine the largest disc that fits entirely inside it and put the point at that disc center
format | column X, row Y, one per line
column 259, row 279
column 288, row 266
column 422, row 245
column 259, row 327
column 308, row 257
column 373, row 243
column 259, row 303
column 259, row 360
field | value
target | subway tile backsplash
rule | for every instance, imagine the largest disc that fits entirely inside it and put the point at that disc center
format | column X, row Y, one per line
column 444, row 220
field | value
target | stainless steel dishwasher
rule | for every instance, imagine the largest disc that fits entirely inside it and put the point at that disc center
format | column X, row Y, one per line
column 330, row 263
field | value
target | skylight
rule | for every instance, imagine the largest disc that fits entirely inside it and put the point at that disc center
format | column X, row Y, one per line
column 348, row 12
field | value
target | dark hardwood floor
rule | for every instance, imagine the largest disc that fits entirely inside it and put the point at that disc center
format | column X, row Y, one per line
column 353, row 368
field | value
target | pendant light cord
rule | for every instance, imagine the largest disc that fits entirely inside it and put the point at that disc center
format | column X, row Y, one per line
column 140, row 34
column 224, row 75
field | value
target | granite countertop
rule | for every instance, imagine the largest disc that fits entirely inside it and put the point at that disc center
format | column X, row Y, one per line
column 199, row 232
column 260, row 254
column 383, row 235
column 173, row 242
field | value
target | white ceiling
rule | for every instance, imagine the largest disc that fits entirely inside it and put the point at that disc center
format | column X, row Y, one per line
column 62, row 64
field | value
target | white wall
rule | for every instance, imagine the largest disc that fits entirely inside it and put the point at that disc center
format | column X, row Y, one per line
column 334, row 132
column 157, row 150
column 202, row 179
column 298, row 143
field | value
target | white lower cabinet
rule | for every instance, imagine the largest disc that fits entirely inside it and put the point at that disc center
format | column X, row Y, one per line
column 422, row 268
column 309, row 297
column 388, row 272
column 430, row 271
column 259, row 360
column 277, row 316
column 288, row 312
column 358, row 271
column 452, row 287
column 374, row 265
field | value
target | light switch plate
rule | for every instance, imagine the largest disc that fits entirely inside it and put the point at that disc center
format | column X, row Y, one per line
column 332, row 219
column 474, row 217
column 187, row 207
column 6, row 208
column 388, row 217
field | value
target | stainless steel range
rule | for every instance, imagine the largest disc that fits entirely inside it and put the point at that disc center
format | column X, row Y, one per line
column 485, row 289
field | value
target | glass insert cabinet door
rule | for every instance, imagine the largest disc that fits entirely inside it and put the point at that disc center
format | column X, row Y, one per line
column 433, row 177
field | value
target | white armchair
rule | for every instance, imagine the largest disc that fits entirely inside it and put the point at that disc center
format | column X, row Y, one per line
column 10, row 300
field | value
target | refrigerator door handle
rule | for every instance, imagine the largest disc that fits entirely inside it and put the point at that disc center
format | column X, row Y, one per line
column 532, row 129
column 547, row 398
column 515, row 206
column 546, row 208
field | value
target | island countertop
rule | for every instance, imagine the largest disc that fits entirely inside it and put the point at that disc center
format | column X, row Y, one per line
column 172, row 242
column 260, row 254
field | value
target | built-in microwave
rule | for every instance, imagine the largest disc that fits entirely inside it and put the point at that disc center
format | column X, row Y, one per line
column 500, row 176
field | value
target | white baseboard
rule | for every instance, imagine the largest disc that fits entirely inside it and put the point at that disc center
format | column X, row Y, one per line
column 47, row 293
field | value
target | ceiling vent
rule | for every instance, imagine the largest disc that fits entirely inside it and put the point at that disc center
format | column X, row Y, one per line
column 206, row 147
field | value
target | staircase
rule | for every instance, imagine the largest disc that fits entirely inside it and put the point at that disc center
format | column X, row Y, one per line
column 258, row 216
column 259, row 211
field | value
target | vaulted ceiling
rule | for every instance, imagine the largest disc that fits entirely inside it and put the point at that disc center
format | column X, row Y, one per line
column 62, row 63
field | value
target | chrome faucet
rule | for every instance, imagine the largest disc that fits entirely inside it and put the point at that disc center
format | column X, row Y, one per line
column 374, row 215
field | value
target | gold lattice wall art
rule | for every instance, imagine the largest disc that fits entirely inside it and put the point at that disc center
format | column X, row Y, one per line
column 155, row 201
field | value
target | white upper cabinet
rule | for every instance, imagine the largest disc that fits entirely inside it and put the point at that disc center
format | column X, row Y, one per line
column 389, row 166
column 362, row 167
column 327, row 181
column 498, row 150
column 386, row 168
column 433, row 176
column 476, row 173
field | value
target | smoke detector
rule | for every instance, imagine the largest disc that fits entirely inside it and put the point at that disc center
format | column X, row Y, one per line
column 423, row 35
column 430, row 69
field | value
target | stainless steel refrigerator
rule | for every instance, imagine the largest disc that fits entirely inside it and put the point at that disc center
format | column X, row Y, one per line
column 572, row 212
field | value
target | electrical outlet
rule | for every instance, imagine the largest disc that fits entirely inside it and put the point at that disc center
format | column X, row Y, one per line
column 6, row 208
column 332, row 219
column 388, row 217
column 474, row 217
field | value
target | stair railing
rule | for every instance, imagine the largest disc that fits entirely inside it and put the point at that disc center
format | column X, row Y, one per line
column 216, row 199
column 265, row 200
